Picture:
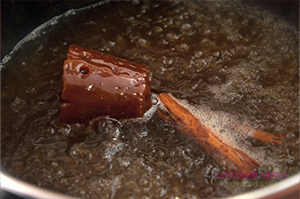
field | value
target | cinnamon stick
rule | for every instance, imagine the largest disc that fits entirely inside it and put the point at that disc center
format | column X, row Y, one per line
column 258, row 134
column 188, row 124
column 267, row 137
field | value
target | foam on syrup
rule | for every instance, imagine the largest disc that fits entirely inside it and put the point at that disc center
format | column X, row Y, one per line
column 148, row 114
column 233, row 132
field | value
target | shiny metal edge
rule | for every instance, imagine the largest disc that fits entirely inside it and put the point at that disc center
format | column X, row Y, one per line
column 21, row 188
column 39, row 29
column 292, row 184
column 25, row 189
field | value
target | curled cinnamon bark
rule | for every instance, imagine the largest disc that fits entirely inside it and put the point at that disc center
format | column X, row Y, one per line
column 258, row 134
column 97, row 84
column 188, row 124
column 267, row 137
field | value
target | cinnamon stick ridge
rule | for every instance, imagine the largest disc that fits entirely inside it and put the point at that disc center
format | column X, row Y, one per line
column 267, row 137
column 188, row 124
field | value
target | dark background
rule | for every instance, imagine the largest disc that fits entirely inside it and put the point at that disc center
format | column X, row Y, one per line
column 19, row 18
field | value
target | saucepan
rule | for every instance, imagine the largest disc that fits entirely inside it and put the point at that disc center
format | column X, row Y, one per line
column 232, row 65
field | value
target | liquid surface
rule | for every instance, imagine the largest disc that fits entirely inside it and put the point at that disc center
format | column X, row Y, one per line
column 226, row 60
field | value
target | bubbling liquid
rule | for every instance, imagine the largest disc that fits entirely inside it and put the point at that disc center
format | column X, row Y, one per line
column 228, row 63
column 232, row 132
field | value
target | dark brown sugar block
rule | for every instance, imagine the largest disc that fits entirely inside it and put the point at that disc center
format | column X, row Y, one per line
column 97, row 84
